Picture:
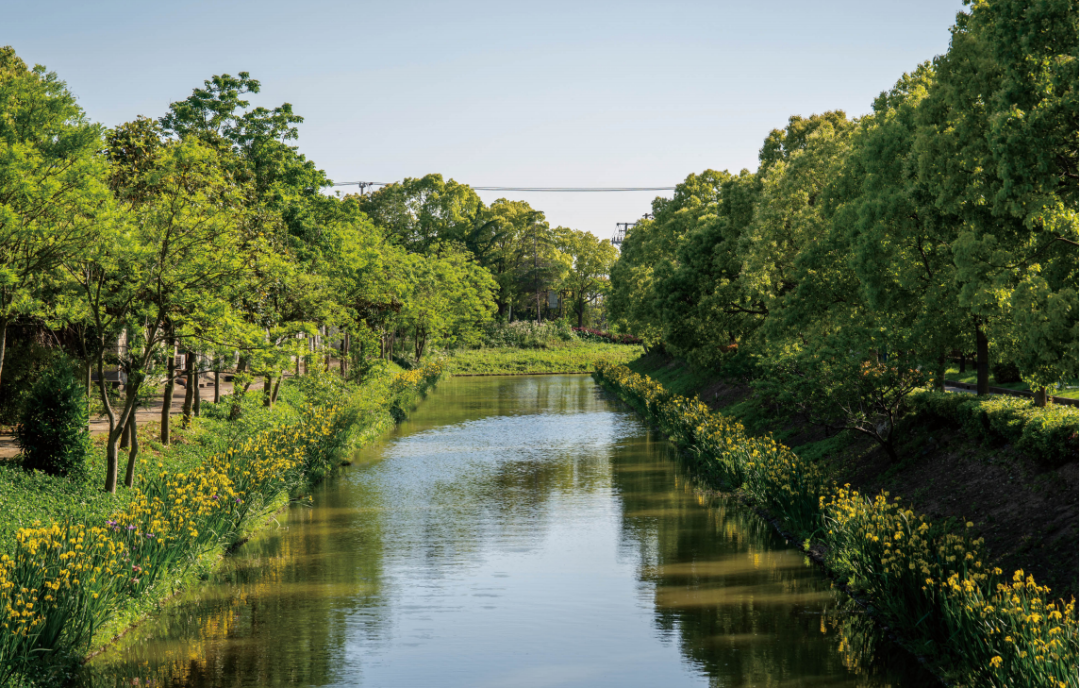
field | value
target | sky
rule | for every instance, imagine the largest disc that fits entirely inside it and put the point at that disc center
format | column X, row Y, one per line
column 538, row 94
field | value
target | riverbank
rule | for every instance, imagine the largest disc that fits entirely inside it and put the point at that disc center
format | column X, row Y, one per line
column 568, row 357
column 933, row 582
column 78, row 567
column 1024, row 505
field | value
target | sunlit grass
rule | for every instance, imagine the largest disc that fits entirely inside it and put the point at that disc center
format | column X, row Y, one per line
column 575, row 357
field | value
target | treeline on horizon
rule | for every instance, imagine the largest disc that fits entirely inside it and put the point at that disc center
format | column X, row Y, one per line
column 206, row 231
column 866, row 253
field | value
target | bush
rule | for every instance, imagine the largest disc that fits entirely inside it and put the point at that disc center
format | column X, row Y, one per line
column 525, row 334
column 53, row 431
column 1005, row 373
column 24, row 361
column 1048, row 435
column 590, row 335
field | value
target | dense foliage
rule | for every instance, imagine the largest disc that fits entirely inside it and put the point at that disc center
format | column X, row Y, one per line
column 53, row 430
column 206, row 233
column 943, row 224
column 936, row 587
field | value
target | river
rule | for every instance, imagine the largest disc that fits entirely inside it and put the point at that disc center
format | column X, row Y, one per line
column 514, row 531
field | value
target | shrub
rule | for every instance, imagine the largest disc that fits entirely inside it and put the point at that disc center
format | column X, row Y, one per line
column 53, row 431
column 591, row 335
column 525, row 334
column 1048, row 435
column 1005, row 372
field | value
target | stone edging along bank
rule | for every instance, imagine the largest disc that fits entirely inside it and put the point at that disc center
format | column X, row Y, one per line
column 972, row 626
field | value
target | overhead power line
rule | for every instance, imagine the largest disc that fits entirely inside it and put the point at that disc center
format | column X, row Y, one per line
column 541, row 189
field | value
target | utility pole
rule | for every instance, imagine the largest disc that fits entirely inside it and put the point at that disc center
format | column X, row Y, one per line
column 536, row 274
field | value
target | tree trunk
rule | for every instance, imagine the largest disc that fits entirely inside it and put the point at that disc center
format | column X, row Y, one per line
column 277, row 386
column 1041, row 397
column 125, row 439
column 344, row 354
column 939, row 374
column 196, row 406
column 133, row 454
column 114, row 432
column 217, row 386
column 580, row 317
column 89, row 380
column 982, row 361
column 3, row 345
column 170, row 375
column 963, row 363
column 189, row 393
column 421, row 341
column 268, row 388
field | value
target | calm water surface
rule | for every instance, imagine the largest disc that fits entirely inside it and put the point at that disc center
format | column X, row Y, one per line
column 518, row 531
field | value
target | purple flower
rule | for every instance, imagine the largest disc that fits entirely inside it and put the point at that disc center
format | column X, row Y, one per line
column 214, row 497
column 131, row 527
column 237, row 500
column 149, row 535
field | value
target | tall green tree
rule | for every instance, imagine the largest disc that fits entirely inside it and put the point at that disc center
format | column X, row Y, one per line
column 164, row 269
column 419, row 213
column 53, row 196
column 651, row 248
column 896, row 240
column 706, row 307
column 587, row 280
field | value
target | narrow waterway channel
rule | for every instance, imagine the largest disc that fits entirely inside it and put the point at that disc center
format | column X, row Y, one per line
column 517, row 531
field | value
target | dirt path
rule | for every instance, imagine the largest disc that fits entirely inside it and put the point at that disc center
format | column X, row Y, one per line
column 152, row 413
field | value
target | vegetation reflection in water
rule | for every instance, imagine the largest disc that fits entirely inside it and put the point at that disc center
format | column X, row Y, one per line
column 514, row 532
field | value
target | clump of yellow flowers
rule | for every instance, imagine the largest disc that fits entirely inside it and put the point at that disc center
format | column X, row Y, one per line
column 63, row 580
column 935, row 586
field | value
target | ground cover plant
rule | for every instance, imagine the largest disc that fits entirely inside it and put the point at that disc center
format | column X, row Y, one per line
column 976, row 625
column 64, row 577
column 1047, row 434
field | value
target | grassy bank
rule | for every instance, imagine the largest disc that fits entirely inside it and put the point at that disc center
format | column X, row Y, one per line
column 76, row 565
column 931, row 581
column 568, row 357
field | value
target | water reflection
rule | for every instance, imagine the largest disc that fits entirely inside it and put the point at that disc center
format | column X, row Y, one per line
column 514, row 532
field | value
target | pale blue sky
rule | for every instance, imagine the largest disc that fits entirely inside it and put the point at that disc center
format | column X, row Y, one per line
column 499, row 93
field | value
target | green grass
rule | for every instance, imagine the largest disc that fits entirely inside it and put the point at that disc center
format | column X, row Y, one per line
column 674, row 375
column 577, row 357
column 969, row 377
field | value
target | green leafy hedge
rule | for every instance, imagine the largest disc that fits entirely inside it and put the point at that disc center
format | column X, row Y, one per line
column 1048, row 435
